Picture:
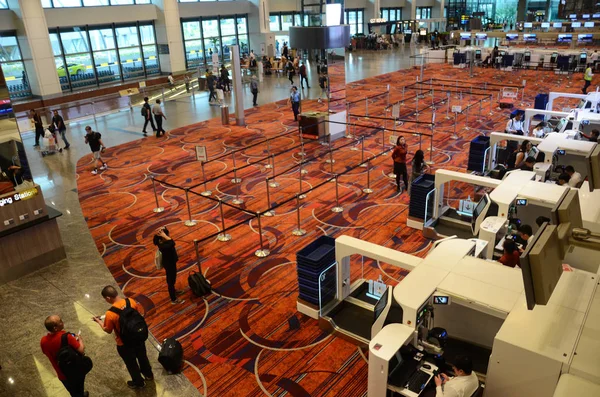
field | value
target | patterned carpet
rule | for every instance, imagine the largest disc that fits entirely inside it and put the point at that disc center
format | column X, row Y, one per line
column 247, row 338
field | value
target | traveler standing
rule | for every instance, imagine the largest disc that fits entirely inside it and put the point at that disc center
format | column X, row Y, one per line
column 126, row 320
column 66, row 351
column 147, row 113
column 587, row 78
column 225, row 78
column 186, row 80
column 399, row 157
column 254, row 90
column 169, row 258
column 59, row 124
column 39, row 126
column 290, row 70
column 302, row 71
column 211, row 81
column 294, row 100
column 285, row 50
column 158, row 117
column 171, row 81
column 419, row 166
column 323, row 85
column 94, row 139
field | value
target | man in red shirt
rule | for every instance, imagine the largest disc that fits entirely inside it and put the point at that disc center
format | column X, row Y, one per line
column 134, row 356
column 511, row 254
column 51, row 344
column 399, row 157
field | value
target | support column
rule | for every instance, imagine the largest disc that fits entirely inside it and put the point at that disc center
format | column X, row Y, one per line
column 236, row 76
column 169, row 37
column 521, row 10
column 410, row 8
column 262, row 41
column 375, row 13
column 34, row 41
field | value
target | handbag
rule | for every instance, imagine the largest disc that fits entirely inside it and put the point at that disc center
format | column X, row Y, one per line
column 158, row 259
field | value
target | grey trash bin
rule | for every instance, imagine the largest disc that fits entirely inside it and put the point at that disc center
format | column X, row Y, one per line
column 225, row 114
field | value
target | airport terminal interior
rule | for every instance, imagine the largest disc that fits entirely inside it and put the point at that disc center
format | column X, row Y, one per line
column 299, row 198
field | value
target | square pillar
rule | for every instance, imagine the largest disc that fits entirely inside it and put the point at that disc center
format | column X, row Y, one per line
column 169, row 37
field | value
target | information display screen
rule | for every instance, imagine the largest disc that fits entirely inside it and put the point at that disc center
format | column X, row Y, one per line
column 465, row 36
column 585, row 38
column 481, row 36
column 529, row 37
column 565, row 38
column 576, row 24
column 512, row 36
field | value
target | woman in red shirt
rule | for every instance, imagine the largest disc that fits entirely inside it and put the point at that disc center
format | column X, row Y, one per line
column 511, row 254
column 399, row 157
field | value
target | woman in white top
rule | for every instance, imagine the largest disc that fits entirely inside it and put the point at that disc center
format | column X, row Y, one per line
column 515, row 125
column 539, row 130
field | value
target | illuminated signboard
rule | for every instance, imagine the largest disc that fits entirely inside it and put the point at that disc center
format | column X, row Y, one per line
column 18, row 196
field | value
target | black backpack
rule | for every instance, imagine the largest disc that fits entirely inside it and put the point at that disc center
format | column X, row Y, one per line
column 144, row 111
column 133, row 327
column 198, row 284
column 70, row 361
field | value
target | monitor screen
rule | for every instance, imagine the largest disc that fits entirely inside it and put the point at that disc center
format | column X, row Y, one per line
column 481, row 36
column 557, row 25
column 545, row 25
column 588, row 25
column 572, row 16
column 480, row 206
column 584, row 38
column 565, row 38
column 512, row 36
column 530, row 37
column 465, row 36
column 528, row 25
column 596, row 16
column 381, row 304
column 521, row 202
column 407, row 31
column 585, row 16
column 576, row 24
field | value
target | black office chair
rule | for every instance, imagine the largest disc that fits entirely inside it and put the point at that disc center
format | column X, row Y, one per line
column 479, row 391
column 526, row 59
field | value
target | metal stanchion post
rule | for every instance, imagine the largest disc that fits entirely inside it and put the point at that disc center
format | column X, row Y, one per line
column 206, row 192
column 222, row 236
column 302, row 153
column 454, row 136
column 431, row 146
column 235, row 178
column 467, row 118
column 362, row 151
column 337, row 207
column 417, row 107
column 354, row 147
column 383, row 139
column 330, row 161
column 269, row 212
column 190, row 221
column 491, row 97
column 158, row 208
column 273, row 182
column 368, row 189
column 262, row 252
column 237, row 200
column 300, row 195
column 298, row 231
column 268, row 165
column 366, row 108
column 448, row 107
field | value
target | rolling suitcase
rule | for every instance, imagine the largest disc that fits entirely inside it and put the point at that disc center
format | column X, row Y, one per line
column 198, row 284
column 171, row 355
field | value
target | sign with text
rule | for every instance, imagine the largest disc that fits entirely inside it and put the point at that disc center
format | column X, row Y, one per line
column 456, row 109
column 393, row 139
column 396, row 111
column 201, row 153
column 18, row 196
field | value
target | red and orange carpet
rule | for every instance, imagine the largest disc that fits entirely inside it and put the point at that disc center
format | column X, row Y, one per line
column 247, row 338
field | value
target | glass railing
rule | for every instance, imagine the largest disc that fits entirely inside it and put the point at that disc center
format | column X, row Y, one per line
column 327, row 286
column 429, row 203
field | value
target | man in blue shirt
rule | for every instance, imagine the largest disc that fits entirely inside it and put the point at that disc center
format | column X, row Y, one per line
column 295, row 101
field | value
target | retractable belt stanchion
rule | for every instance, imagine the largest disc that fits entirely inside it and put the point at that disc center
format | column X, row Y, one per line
column 197, row 255
column 417, row 107
column 273, row 182
column 362, row 150
column 298, row 231
column 302, row 170
column 448, row 107
column 467, row 118
column 237, row 200
column 262, row 252
column 337, row 207
column 223, row 236
column 431, row 149
column 491, row 100
column 268, row 165
column 330, row 161
column 368, row 189
column 366, row 108
column 269, row 212
column 354, row 147
column 158, row 208
column 190, row 221
column 302, row 153
column 206, row 192
column 235, row 178
column 454, row 136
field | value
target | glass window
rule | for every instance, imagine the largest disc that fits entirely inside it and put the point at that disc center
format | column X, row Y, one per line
column 191, row 30
column 120, row 2
column 286, row 22
column 193, row 52
column 211, row 45
column 10, row 49
column 243, row 43
column 242, row 26
column 107, row 66
column 80, row 70
column 142, row 1
column 127, row 36
column 102, row 39
column 274, row 23
column 47, row 3
column 227, row 26
column 131, row 62
column 3, row 4
column 210, row 28
column 64, row 83
column 66, row 3
column 95, row 2
column 227, row 41
column 151, row 59
column 74, row 41
column 147, row 33
column 297, row 20
column 55, row 44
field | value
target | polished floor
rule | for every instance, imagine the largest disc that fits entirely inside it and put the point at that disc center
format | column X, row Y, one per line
column 71, row 288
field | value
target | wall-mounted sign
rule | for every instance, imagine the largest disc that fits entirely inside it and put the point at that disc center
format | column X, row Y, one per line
column 377, row 20
column 18, row 196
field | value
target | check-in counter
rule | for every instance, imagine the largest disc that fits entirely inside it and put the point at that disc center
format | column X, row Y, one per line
column 29, row 234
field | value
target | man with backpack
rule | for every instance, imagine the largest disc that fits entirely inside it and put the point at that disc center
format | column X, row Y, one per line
column 66, row 353
column 147, row 114
column 131, row 332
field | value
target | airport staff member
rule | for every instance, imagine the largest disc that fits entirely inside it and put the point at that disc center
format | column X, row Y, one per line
column 511, row 254
column 463, row 384
column 593, row 137
column 515, row 125
column 524, row 234
column 574, row 177
column 587, row 78
column 563, row 179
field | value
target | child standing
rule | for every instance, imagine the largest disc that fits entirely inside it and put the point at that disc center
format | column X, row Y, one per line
column 94, row 139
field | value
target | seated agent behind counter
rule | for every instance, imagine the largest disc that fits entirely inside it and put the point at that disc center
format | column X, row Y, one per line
column 574, row 177
column 528, row 164
column 524, row 234
column 463, row 384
